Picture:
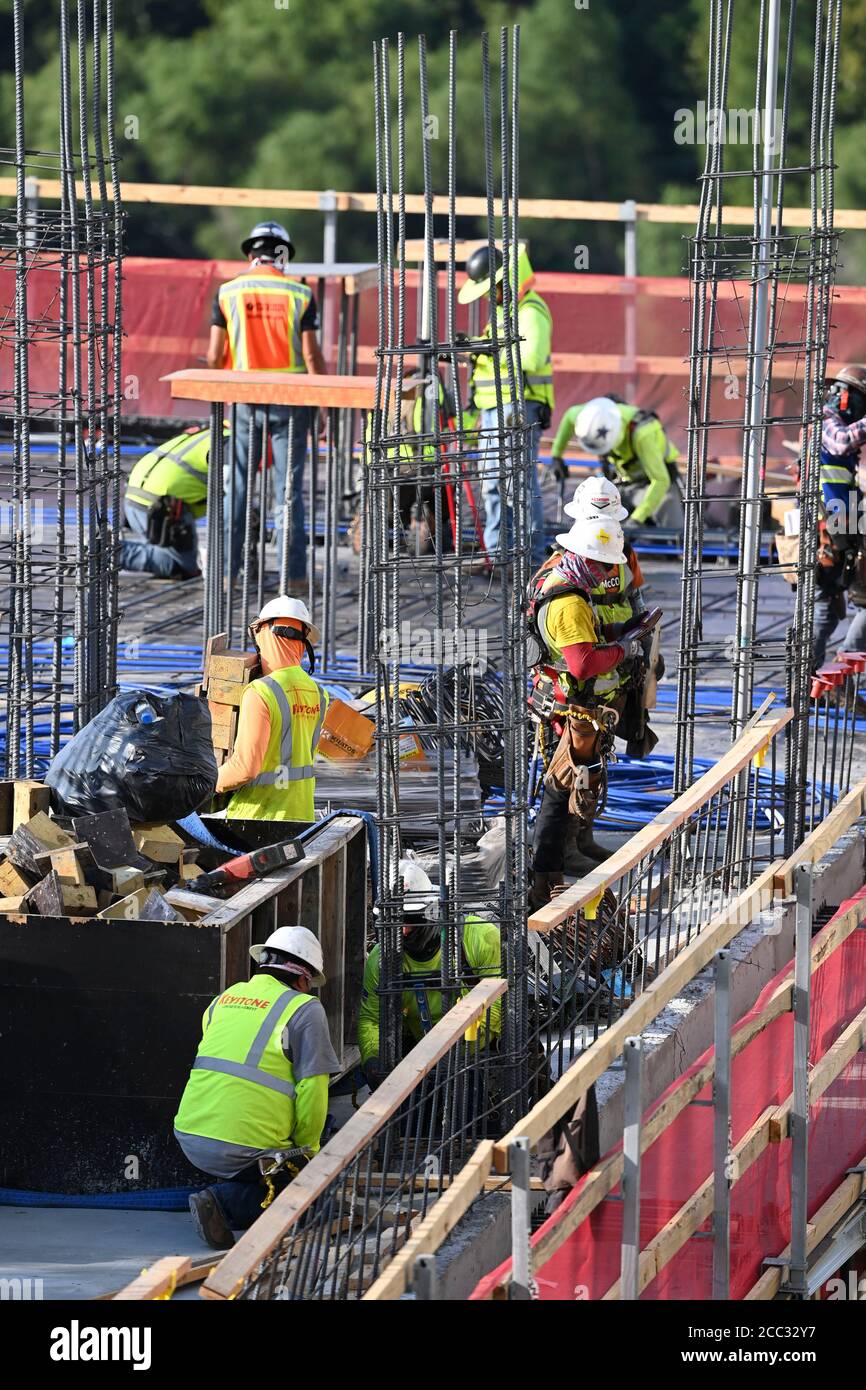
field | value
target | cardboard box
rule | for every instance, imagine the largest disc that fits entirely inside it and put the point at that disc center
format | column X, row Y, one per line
column 345, row 733
column 224, row 725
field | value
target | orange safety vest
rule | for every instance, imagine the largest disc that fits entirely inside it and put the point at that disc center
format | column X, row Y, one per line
column 263, row 310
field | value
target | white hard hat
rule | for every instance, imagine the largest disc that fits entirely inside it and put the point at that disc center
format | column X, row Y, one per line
column 596, row 538
column 596, row 496
column 418, row 890
column 293, row 609
column 599, row 426
column 298, row 942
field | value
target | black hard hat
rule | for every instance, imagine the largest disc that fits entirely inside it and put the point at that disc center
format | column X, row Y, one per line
column 479, row 272
column 265, row 237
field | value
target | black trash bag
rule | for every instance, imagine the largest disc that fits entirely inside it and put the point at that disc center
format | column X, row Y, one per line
column 157, row 771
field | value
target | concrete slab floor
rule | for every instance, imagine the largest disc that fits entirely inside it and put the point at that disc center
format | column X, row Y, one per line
column 82, row 1252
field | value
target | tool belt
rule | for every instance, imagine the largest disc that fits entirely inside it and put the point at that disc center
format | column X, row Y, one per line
column 166, row 525
column 580, row 758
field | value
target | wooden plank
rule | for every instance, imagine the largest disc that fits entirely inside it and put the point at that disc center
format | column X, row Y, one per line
column 199, row 1268
column 823, row 837
column 837, row 1205
column 161, row 1278
column 236, row 666
column 275, row 388
column 253, row 894
column 661, row 828
column 576, row 1081
column 545, row 209
column 432, row 1230
column 824, row 1072
column 28, row 798
column 337, row 1154
column 225, row 692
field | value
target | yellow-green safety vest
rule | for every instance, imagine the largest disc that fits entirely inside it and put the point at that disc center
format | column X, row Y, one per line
column 535, row 325
column 608, row 606
column 241, row 1089
column 285, row 787
column 177, row 468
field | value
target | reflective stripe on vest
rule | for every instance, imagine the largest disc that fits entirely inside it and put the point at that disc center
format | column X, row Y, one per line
column 242, row 350
column 484, row 372
column 609, row 680
column 176, row 453
column 250, row 1069
column 285, row 772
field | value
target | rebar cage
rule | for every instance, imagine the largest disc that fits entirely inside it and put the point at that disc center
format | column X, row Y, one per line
column 760, row 319
column 430, row 572
column 61, row 488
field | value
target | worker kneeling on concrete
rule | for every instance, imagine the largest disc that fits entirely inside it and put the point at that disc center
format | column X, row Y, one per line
column 422, row 1005
column 271, row 769
column 636, row 454
column 166, row 493
column 259, row 1083
column 589, row 640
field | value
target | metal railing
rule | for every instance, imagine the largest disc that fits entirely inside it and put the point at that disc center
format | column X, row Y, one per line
column 600, row 943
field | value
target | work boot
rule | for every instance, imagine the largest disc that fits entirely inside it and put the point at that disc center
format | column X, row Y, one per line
column 590, row 847
column 209, row 1221
column 540, row 891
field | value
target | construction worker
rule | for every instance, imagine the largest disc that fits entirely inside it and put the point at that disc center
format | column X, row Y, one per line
column 637, row 454
column 535, row 327
column 166, row 492
column 589, row 642
column 263, row 321
column 421, row 1002
column 259, row 1083
column 840, row 544
column 270, row 772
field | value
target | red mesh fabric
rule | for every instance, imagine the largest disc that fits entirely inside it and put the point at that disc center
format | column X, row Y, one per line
column 610, row 334
column 588, row 1263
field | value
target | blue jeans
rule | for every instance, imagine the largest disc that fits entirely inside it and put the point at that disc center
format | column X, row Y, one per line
column 142, row 556
column 279, row 417
column 490, row 486
column 240, row 1199
column 827, row 619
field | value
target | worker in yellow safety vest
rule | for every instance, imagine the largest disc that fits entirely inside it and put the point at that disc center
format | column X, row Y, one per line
column 264, row 321
column 258, row 1085
column 636, row 454
column 165, row 494
column 535, row 389
column 422, row 1002
column 271, row 769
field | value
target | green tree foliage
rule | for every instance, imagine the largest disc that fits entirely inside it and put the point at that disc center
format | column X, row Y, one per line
column 278, row 94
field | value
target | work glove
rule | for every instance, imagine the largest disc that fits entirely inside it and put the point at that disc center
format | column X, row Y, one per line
column 560, row 470
column 374, row 1072
column 660, row 667
column 630, row 525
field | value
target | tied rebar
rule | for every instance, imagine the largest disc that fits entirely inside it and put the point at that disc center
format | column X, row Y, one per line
column 59, row 533
column 760, row 322
column 427, row 463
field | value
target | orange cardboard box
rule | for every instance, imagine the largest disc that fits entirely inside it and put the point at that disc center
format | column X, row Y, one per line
column 345, row 733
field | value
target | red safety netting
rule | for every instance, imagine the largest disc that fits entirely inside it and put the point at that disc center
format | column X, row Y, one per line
column 610, row 334
column 588, row 1263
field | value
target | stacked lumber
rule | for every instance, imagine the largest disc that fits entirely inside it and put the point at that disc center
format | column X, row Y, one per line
column 93, row 866
column 227, row 674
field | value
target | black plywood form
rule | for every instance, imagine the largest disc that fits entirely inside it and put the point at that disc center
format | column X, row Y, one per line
column 101, row 1021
